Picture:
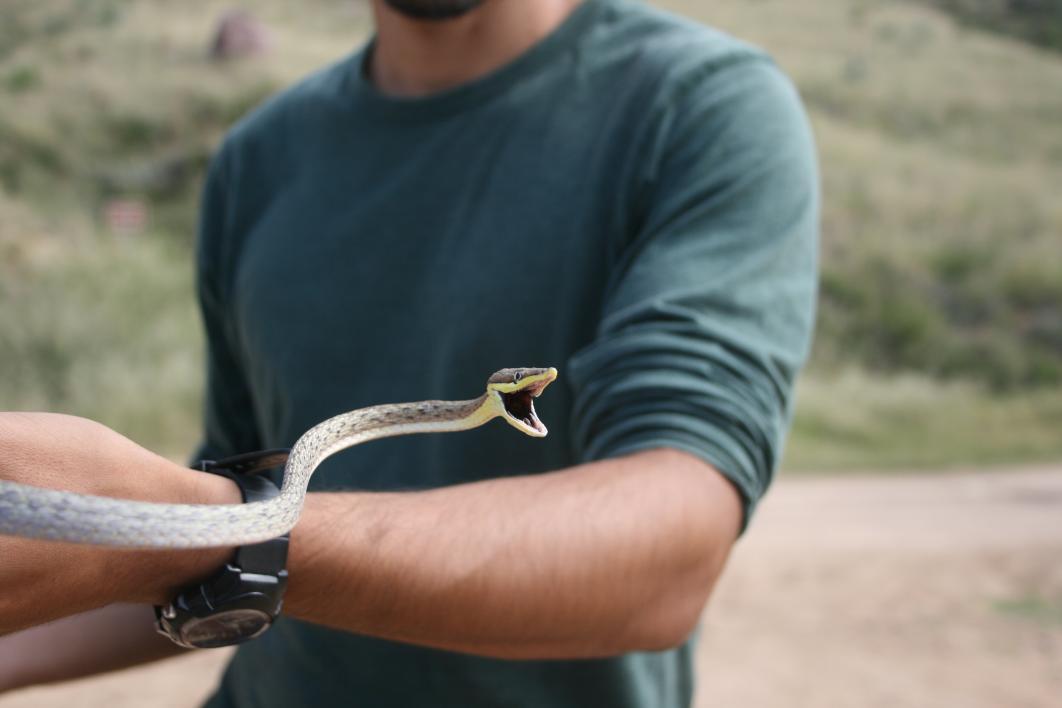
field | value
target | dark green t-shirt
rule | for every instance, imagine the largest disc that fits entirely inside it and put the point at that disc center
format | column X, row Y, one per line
column 633, row 200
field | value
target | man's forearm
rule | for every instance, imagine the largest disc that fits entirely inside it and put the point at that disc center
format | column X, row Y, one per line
column 107, row 639
column 597, row 559
column 603, row 558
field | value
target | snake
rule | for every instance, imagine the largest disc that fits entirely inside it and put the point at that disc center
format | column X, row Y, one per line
column 55, row 515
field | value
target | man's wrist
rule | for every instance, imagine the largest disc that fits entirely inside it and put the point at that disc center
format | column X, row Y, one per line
column 156, row 575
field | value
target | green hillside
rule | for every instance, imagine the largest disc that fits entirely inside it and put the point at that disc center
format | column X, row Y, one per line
column 940, row 336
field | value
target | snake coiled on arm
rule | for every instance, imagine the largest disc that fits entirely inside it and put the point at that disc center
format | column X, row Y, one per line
column 34, row 512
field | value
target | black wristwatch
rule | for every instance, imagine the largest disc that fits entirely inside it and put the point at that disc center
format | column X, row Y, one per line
column 240, row 601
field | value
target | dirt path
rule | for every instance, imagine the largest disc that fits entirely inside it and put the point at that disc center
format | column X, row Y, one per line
column 941, row 590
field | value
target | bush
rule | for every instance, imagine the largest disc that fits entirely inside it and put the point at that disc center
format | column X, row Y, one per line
column 22, row 79
column 969, row 314
column 1037, row 21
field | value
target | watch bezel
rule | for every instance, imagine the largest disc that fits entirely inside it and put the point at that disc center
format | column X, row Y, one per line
column 214, row 640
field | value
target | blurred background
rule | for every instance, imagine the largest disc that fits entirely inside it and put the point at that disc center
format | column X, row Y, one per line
column 911, row 553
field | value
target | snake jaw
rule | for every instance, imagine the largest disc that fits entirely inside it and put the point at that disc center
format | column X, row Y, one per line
column 516, row 391
column 520, row 412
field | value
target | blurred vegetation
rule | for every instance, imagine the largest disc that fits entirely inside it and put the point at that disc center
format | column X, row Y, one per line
column 1037, row 21
column 940, row 337
column 106, row 99
column 852, row 420
column 1042, row 611
column 91, row 324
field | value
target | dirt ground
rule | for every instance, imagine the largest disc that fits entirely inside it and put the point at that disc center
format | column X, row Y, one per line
column 938, row 590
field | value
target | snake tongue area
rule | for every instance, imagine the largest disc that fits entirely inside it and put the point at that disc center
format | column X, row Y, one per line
column 521, row 405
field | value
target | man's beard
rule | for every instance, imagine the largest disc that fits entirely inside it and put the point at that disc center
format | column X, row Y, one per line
column 434, row 9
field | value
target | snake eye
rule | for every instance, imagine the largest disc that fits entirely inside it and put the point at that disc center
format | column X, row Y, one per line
column 517, row 376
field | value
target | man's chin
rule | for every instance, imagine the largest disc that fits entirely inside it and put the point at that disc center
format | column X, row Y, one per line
column 433, row 9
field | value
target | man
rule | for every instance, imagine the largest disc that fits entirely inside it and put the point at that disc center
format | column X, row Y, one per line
column 596, row 186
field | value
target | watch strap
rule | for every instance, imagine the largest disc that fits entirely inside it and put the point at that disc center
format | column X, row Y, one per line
column 248, row 462
column 266, row 557
column 250, row 585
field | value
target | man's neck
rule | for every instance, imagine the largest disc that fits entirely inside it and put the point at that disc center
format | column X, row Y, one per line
column 416, row 58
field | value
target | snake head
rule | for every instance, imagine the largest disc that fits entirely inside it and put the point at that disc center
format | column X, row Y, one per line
column 515, row 391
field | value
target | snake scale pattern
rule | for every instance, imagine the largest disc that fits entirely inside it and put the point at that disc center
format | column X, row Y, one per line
column 65, row 516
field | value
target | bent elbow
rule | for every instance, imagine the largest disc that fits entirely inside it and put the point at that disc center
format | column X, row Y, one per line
column 669, row 632
column 675, row 614
column 669, row 624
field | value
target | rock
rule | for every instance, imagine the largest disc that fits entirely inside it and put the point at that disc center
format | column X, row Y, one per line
column 239, row 34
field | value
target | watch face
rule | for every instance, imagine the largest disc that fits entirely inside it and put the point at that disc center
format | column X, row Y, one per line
column 225, row 628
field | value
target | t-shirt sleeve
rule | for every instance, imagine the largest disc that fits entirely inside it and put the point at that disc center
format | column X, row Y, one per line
column 228, row 413
column 710, row 308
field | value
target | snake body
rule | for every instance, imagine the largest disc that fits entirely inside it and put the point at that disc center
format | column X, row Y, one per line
column 65, row 516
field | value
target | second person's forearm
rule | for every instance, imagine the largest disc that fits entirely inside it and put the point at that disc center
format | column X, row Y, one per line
column 107, row 639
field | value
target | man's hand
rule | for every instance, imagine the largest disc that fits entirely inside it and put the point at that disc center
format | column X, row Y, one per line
column 43, row 580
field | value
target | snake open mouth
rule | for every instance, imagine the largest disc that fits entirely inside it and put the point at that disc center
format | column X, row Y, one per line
column 521, row 405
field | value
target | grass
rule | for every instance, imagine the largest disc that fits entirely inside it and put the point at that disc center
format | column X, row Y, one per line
column 127, row 101
column 940, row 338
column 102, row 99
column 96, row 325
column 855, row 421
column 1032, row 608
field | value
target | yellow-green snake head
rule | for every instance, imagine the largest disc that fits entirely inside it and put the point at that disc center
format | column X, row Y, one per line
column 515, row 391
